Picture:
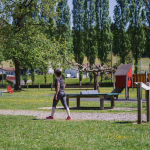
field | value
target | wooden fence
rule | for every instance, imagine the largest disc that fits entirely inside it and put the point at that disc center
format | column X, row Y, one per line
column 139, row 78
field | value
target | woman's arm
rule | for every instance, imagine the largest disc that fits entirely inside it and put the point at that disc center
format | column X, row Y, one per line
column 58, row 87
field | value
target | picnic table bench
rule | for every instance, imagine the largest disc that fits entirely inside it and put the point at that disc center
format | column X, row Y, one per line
column 93, row 94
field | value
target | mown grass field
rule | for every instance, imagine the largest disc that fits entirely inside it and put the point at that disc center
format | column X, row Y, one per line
column 40, row 79
column 33, row 99
column 26, row 133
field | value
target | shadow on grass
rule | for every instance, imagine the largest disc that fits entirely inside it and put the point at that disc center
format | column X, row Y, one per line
column 124, row 122
column 86, row 108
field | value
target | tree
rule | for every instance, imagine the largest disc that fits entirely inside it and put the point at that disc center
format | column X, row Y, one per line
column 78, row 32
column 103, row 32
column 121, row 38
column 63, row 22
column 25, row 29
column 90, row 44
column 147, row 27
column 137, row 35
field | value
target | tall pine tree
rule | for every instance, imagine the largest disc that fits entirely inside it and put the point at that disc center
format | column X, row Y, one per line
column 137, row 35
column 121, row 38
column 147, row 30
column 90, row 44
column 63, row 22
column 103, row 32
column 78, row 32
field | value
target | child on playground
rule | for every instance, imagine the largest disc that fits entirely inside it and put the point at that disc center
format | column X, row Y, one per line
column 60, row 95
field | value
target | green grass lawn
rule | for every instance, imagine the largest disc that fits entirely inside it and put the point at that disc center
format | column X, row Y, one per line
column 40, row 79
column 33, row 99
column 26, row 133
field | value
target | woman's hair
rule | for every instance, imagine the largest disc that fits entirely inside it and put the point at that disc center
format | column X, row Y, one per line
column 58, row 73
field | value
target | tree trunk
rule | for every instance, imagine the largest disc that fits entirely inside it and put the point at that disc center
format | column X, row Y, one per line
column 17, row 73
column 96, row 75
column 45, row 78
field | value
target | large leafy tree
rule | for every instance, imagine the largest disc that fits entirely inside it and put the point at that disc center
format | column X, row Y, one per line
column 103, row 32
column 26, row 41
column 90, row 43
column 121, row 38
column 78, row 32
column 137, row 35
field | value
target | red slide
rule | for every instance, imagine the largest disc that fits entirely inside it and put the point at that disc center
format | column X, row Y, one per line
column 9, row 89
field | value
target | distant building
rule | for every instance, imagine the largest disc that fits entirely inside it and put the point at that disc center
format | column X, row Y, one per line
column 9, row 71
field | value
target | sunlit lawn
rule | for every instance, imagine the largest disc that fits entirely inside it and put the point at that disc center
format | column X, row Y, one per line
column 26, row 133
column 33, row 99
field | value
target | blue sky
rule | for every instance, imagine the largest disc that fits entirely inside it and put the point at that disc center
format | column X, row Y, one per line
column 112, row 3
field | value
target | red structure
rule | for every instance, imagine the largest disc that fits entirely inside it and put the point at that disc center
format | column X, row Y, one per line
column 124, row 76
column 124, row 79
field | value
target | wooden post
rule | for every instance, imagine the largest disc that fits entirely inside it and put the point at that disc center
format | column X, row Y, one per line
column 114, row 86
column 126, row 90
column 139, row 97
column 80, row 85
column 27, row 86
column 148, row 103
column 67, row 99
column 78, row 102
column 51, row 86
column 112, row 102
column 2, row 77
column 101, row 103
column 39, row 86
column 145, row 81
column 98, row 88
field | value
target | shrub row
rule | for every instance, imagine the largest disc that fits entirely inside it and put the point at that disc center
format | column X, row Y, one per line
column 103, row 84
column 4, row 76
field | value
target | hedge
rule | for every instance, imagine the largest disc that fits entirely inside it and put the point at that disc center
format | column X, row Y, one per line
column 4, row 76
column 103, row 84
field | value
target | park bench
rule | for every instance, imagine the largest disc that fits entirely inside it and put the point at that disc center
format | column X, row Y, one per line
column 9, row 90
column 93, row 94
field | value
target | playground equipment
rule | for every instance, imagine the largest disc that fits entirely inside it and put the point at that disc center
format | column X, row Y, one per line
column 9, row 90
column 125, row 79
column 139, row 98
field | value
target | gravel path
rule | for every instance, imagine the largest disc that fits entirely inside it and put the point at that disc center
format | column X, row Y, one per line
column 76, row 116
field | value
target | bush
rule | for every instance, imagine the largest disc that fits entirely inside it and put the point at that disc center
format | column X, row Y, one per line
column 4, row 76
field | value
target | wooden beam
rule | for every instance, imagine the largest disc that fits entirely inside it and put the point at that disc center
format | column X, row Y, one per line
column 148, row 103
column 139, row 97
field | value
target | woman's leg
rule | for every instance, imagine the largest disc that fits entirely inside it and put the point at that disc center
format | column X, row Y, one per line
column 64, row 103
column 55, row 102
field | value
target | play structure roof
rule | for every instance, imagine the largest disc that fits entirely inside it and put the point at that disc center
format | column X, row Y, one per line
column 123, row 69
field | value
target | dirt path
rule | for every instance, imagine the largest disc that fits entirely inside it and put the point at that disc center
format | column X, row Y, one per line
column 76, row 116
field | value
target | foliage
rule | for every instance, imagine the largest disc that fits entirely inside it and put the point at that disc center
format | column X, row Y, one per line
column 63, row 23
column 27, row 22
column 33, row 76
column 4, row 75
column 25, row 77
column 137, row 35
column 80, row 75
column 78, row 30
column 90, row 44
column 63, row 74
column 121, row 38
column 103, row 32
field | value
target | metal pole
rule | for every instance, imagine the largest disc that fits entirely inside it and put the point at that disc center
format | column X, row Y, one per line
column 111, row 63
column 2, row 77
column 139, row 97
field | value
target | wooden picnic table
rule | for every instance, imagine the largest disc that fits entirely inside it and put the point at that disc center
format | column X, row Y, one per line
column 99, row 95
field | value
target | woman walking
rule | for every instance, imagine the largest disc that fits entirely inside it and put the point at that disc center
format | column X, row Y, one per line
column 60, row 95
